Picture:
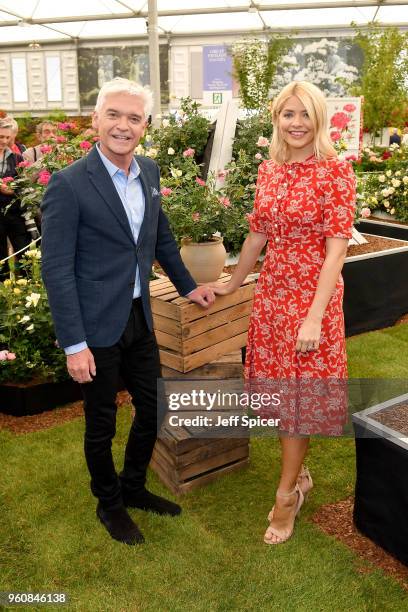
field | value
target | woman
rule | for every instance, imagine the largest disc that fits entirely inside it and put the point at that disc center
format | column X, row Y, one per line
column 12, row 224
column 304, row 208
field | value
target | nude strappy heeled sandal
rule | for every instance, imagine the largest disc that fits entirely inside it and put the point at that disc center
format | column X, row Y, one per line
column 271, row 530
column 304, row 473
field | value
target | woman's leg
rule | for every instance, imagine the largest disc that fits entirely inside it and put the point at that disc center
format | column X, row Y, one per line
column 294, row 450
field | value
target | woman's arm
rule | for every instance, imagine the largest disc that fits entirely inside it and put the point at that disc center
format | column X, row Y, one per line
column 310, row 330
column 251, row 249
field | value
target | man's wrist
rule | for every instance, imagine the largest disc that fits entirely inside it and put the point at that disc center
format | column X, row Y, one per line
column 75, row 348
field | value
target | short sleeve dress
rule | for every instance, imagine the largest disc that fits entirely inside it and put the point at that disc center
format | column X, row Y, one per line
column 298, row 205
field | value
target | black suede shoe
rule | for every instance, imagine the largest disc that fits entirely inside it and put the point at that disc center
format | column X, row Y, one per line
column 150, row 502
column 120, row 526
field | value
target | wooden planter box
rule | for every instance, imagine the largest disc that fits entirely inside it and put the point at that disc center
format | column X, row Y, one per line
column 190, row 336
column 381, row 495
column 28, row 399
column 375, row 289
column 184, row 461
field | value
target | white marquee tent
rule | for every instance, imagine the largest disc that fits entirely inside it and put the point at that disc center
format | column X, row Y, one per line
column 51, row 20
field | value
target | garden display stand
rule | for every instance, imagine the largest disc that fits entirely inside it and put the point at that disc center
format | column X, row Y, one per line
column 197, row 343
column 381, row 495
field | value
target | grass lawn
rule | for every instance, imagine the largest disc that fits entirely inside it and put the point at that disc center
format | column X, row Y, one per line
column 212, row 557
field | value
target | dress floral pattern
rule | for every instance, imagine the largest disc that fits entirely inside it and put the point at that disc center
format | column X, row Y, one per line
column 298, row 205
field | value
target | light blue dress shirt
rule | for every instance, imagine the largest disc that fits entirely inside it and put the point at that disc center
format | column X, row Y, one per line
column 130, row 191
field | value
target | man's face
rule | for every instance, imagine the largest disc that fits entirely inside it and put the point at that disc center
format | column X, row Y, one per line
column 120, row 123
column 5, row 138
column 48, row 132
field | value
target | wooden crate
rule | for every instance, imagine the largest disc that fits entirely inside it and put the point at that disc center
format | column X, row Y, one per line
column 184, row 462
column 190, row 336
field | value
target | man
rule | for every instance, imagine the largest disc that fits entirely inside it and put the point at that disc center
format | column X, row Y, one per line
column 395, row 138
column 102, row 228
column 46, row 131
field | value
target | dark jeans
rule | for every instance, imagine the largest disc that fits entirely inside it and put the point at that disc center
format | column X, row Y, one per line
column 12, row 226
column 135, row 358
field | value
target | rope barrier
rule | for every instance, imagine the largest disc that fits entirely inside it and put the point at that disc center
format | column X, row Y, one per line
column 28, row 246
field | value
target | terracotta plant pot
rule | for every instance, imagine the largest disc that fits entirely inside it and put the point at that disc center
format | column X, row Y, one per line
column 204, row 260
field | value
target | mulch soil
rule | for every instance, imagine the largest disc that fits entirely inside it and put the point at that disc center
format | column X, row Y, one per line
column 337, row 520
column 334, row 519
column 395, row 417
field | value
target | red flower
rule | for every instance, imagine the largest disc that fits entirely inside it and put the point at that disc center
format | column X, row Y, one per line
column 85, row 145
column 386, row 155
column 44, row 177
column 7, row 179
column 226, row 202
column 200, row 181
column 61, row 139
column 349, row 108
column 335, row 136
column 166, row 191
column 46, row 148
column 339, row 120
column 24, row 164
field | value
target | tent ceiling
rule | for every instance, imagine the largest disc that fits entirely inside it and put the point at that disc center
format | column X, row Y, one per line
column 50, row 20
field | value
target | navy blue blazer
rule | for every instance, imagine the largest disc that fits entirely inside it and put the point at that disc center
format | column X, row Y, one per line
column 89, row 256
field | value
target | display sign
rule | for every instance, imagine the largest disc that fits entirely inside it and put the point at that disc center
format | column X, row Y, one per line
column 217, row 74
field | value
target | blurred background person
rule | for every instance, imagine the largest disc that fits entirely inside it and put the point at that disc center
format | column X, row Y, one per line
column 46, row 131
column 395, row 138
column 15, row 146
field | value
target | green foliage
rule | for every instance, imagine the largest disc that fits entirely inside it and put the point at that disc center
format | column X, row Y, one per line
column 193, row 207
column 188, row 130
column 26, row 327
column 255, row 65
column 387, row 191
column 383, row 76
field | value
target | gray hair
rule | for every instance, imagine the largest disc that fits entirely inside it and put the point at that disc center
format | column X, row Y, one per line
column 6, row 123
column 120, row 85
column 39, row 126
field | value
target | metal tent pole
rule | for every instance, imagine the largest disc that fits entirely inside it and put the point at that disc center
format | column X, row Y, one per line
column 154, row 61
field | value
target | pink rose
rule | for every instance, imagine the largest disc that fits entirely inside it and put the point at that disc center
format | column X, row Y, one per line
column 222, row 174
column 61, row 139
column 365, row 212
column 166, row 191
column 44, row 177
column 262, row 142
column 349, row 108
column 339, row 120
column 7, row 179
column 351, row 158
column 335, row 136
column 24, row 164
column 200, row 181
column 258, row 155
column 188, row 153
column 195, row 216
column 226, row 202
column 85, row 145
column 46, row 149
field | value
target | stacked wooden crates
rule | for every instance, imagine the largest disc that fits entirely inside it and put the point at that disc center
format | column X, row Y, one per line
column 199, row 343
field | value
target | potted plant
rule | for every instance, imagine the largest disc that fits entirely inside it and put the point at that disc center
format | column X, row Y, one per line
column 196, row 213
column 37, row 378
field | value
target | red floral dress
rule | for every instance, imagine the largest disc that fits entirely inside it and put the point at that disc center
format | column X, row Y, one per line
column 298, row 205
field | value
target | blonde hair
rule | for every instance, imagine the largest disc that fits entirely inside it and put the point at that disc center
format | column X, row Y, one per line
column 6, row 123
column 315, row 104
column 121, row 85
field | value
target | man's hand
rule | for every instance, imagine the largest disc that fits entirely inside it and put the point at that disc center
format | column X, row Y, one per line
column 204, row 296
column 81, row 366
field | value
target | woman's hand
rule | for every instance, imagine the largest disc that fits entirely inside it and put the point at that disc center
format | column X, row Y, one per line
column 222, row 288
column 309, row 336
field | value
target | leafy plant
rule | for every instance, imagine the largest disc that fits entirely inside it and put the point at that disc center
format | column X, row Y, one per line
column 255, row 66
column 383, row 76
column 26, row 327
column 194, row 209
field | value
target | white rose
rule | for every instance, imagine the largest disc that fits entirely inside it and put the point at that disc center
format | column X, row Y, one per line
column 386, row 203
column 395, row 182
column 33, row 299
column 170, row 151
column 24, row 319
column 405, row 180
column 165, row 123
column 384, row 192
column 30, row 327
column 381, row 178
column 392, row 211
column 388, row 173
column 398, row 173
